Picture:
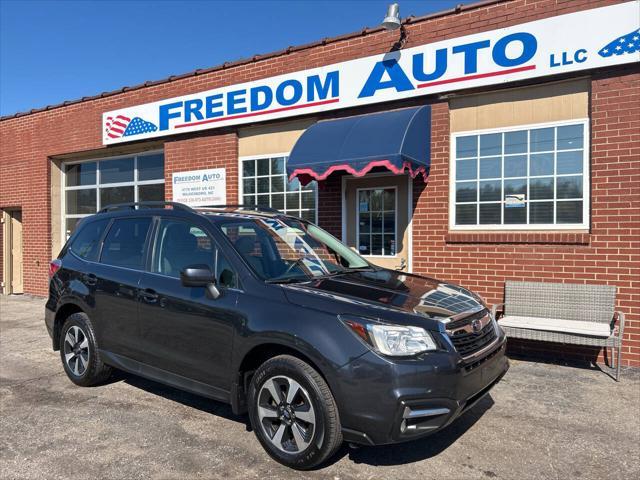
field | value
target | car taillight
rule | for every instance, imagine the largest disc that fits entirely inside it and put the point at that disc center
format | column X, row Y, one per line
column 54, row 266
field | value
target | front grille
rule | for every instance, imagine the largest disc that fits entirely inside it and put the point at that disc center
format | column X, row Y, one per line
column 463, row 322
column 468, row 342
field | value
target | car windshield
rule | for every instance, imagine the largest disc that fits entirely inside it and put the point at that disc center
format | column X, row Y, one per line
column 282, row 250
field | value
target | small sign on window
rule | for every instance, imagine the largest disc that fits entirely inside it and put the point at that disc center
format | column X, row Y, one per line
column 516, row 200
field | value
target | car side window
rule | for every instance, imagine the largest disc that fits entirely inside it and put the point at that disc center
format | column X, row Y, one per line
column 86, row 244
column 180, row 244
column 226, row 275
column 124, row 244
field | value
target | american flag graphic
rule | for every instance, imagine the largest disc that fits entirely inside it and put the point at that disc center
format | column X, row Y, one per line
column 629, row 43
column 121, row 126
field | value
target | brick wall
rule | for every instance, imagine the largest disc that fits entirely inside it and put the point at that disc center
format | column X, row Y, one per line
column 330, row 204
column 217, row 150
column 607, row 255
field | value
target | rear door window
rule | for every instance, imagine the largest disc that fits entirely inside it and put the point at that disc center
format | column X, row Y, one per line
column 125, row 242
column 86, row 244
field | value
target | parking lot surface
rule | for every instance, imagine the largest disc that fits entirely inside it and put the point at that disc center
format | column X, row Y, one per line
column 542, row 421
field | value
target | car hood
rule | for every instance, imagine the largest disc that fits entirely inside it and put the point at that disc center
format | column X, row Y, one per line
column 391, row 291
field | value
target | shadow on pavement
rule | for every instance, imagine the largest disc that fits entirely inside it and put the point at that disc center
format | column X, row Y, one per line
column 397, row 454
column 192, row 400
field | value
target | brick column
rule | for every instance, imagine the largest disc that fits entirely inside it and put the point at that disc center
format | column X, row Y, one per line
column 212, row 151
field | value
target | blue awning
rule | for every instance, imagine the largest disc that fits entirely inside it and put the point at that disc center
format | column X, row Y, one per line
column 398, row 140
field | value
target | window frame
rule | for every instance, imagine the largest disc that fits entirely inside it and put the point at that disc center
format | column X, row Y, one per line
column 586, row 180
column 285, row 155
column 395, row 227
column 135, row 183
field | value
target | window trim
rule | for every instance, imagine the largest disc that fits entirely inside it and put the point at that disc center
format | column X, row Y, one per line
column 586, row 184
column 395, row 228
column 97, row 185
column 267, row 155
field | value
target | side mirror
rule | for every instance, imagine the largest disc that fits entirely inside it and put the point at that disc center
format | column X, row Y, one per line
column 200, row 276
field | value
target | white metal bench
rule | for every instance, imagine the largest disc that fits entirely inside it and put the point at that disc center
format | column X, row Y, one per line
column 564, row 313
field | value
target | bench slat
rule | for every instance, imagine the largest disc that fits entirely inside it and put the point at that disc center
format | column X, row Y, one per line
column 593, row 329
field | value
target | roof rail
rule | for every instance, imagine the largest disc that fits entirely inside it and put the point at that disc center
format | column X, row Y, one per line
column 255, row 208
column 148, row 204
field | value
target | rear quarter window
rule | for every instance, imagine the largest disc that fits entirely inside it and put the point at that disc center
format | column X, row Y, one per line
column 86, row 244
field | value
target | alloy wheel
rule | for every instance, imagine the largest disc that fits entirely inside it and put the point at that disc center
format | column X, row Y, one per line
column 286, row 414
column 76, row 350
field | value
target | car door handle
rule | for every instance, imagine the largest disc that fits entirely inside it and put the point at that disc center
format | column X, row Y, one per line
column 90, row 279
column 149, row 295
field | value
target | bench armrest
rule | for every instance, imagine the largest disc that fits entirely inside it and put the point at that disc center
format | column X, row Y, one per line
column 494, row 309
column 619, row 316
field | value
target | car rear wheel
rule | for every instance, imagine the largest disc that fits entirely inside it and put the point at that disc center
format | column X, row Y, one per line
column 79, row 352
column 293, row 413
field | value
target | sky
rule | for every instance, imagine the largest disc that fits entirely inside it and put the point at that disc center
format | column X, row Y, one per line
column 56, row 50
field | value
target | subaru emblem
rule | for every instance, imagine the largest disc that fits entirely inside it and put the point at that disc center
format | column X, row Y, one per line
column 476, row 326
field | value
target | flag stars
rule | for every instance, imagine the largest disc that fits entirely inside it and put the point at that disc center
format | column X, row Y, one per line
column 622, row 45
column 138, row 126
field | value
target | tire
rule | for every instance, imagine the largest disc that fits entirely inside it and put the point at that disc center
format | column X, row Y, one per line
column 79, row 352
column 312, row 412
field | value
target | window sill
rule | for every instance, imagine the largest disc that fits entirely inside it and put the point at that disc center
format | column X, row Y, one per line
column 562, row 238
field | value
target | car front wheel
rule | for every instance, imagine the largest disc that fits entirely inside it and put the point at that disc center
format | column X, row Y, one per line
column 293, row 413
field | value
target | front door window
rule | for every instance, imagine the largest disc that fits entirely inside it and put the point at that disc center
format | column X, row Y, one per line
column 377, row 221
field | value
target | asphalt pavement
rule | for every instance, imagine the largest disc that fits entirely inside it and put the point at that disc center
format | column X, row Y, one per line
column 543, row 421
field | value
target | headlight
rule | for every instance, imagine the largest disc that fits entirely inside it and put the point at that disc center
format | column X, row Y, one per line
column 392, row 340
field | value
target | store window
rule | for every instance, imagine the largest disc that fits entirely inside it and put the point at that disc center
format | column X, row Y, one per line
column 264, row 182
column 92, row 185
column 521, row 178
column 377, row 221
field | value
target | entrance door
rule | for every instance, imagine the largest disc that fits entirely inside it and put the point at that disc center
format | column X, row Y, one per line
column 14, row 267
column 377, row 219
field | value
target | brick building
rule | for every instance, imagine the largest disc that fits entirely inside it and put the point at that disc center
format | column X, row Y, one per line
column 532, row 167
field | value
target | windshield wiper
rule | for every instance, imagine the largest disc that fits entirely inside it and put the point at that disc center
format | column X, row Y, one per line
column 345, row 270
column 286, row 280
column 368, row 268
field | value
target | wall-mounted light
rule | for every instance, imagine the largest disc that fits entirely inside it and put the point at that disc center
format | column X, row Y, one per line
column 392, row 19
column 393, row 22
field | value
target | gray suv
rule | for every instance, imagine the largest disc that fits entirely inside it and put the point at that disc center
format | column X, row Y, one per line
column 275, row 316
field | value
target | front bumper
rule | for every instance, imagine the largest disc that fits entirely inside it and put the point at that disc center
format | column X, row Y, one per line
column 382, row 401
